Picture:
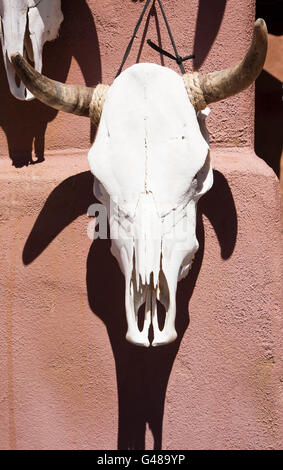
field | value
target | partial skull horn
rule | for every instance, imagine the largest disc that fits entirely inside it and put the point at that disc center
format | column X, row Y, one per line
column 25, row 26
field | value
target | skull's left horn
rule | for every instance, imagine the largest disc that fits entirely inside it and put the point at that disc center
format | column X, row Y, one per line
column 216, row 86
column 74, row 99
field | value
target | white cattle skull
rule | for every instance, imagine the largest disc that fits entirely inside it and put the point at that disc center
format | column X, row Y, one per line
column 25, row 26
column 151, row 165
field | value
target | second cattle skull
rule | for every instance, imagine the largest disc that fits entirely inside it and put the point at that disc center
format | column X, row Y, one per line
column 25, row 26
column 151, row 164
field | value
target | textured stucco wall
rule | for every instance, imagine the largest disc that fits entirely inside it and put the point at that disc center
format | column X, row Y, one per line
column 68, row 378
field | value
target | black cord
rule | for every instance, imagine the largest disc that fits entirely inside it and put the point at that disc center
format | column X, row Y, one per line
column 177, row 57
column 133, row 37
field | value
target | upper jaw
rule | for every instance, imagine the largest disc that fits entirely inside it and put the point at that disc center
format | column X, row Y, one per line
column 149, row 296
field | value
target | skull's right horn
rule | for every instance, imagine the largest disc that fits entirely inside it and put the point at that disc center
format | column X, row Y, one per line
column 74, row 99
column 219, row 85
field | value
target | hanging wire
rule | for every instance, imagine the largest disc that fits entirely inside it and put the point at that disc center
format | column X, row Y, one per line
column 133, row 37
column 175, row 57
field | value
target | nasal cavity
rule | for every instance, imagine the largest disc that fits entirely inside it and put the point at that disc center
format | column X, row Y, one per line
column 141, row 314
column 161, row 315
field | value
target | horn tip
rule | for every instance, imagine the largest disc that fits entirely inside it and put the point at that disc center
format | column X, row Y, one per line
column 261, row 36
column 16, row 57
column 260, row 24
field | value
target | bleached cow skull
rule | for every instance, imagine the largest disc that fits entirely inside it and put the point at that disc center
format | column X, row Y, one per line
column 151, row 165
column 25, row 26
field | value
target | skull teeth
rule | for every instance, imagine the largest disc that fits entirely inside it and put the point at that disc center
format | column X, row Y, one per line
column 148, row 295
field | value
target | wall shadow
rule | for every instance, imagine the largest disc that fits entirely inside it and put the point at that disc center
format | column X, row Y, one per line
column 268, row 138
column 25, row 123
column 209, row 19
column 271, row 11
column 142, row 374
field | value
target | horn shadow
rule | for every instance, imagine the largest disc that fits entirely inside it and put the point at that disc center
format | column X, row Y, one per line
column 25, row 123
column 224, row 221
column 68, row 200
column 142, row 373
column 209, row 19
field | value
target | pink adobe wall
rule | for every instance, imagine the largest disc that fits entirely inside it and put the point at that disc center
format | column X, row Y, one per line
column 69, row 379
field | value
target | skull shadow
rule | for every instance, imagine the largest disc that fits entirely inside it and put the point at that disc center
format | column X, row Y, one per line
column 25, row 123
column 142, row 373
